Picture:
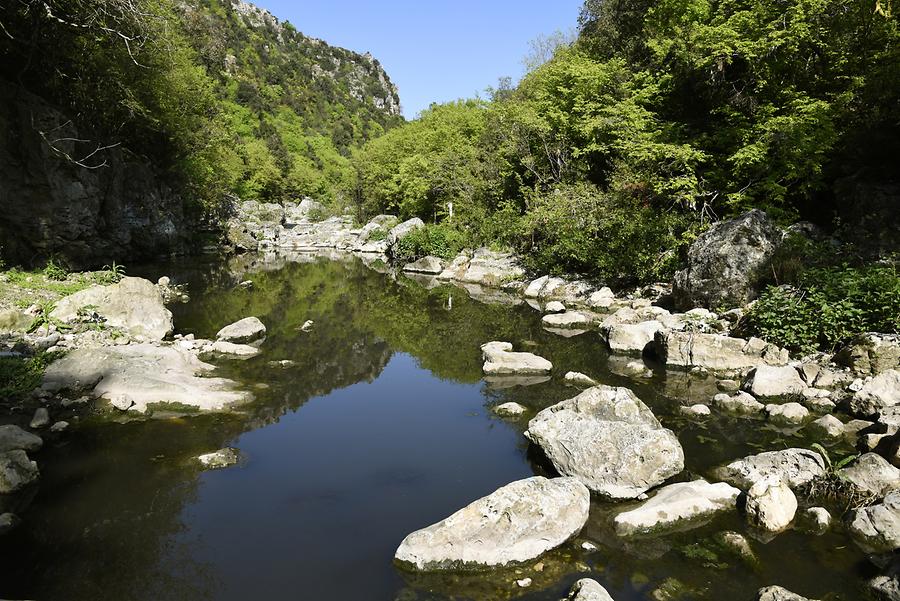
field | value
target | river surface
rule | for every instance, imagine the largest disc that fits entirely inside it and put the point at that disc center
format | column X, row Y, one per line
column 383, row 425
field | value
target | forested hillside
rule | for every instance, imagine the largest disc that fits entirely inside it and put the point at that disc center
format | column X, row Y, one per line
column 219, row 94
column 662, row 117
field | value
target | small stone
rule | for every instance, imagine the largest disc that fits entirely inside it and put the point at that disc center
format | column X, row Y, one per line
column 509, row 410
column 307, row 325
column 284, row 363
column 696, row 411
column 41, row 418
column 818, row 519
column 588, row 546
column 776, row 593
column 524, row 582
column 164, row 281
column 588, row 590
column 16, row 471
column 820, row 404
column 555, row 307
column 59, row 426
column 121, row 401
column 575, row 378
column 8, row 523
column 728, row 385
column 740, row 403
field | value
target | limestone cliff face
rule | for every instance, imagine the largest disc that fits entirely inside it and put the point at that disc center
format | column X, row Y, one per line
column 50, row 206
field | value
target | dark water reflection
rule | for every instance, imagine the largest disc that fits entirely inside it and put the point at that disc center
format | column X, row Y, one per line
column 380, row 427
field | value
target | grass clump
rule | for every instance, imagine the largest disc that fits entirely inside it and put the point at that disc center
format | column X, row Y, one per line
column 20, row 375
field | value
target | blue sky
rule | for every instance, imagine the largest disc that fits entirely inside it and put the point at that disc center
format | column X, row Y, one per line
column 433, row 51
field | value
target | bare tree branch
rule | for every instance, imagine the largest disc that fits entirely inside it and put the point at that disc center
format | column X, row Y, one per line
column 53, row 144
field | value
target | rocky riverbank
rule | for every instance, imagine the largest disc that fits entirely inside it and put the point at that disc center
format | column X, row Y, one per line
column 120, row 354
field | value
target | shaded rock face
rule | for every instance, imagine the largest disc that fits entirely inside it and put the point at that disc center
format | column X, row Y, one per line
column 14, row 437
column 515, row 523
column 88, row 217
column 871, row 354
column 879, row 393
column 134, row 305
column 610, row 440
column 677, row 506
column 724, row 262
column 872, row 474
column 16, row 471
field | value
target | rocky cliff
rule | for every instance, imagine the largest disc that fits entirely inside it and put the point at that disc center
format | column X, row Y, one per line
column 52, row 206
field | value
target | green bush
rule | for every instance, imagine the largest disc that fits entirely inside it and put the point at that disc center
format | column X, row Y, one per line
column 580, row 229
column 19, row 376
column 827, row 308
column 436, row 240
column 55, row 272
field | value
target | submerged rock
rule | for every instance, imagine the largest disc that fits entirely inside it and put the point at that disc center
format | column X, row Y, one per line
column 740, row 403
column 41, row 418
column 515, row 523
column 134, row 305
column 16, row 471
column 677, row 505
column 509, row 410
column 569, row 319
column 230, row 349
column 245, row 331
column 877, row 528
column 588, row 590
column 14, row 437
column 8, row 523
column 771, row 504
column 795, row 466
column 631, row 339
column 219, row 459
column 607, row 438
column 146, row 374
column 499, row 359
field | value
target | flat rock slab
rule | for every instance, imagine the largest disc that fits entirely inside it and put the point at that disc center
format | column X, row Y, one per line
column 608, row 439
column 245, row 331
column 795, row 466
column 569, row 319
column 676, row 506
column 14, row 437
column 499, row 360
column 715, row 352
column 134, row 305
column 515, row 523
column 137, row 376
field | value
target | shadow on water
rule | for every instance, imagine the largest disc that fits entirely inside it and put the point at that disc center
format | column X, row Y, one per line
column 380, row 425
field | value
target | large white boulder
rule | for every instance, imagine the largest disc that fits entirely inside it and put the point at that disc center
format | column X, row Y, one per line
column 500, row 360
column 607, row 438
column 715, row 352
column 880, row 392
column 515, row 523
column 400, row 231
column 677, row 505
column 134, row 305
column 245, row 331
column 871, row 473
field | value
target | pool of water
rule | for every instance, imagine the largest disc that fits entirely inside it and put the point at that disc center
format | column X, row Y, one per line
column 381, row 426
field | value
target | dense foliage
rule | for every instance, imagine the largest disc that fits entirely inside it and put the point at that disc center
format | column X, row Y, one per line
column 608, row 158
column 827, row 307
column 218, row 93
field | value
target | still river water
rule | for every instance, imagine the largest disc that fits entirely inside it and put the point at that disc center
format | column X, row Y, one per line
column 381, row 427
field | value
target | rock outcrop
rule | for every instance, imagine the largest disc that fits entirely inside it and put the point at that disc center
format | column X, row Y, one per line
column 611, row 441
column 724, row 263
column 515, row 523
column 500, row 360
column 134, row 305
column 877, row 528
column 715, row 352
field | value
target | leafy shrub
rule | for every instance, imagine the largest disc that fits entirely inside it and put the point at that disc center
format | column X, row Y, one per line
column 19, row 376
column 55, row 272
column 435, row 240
column 579, row 229
column 111, row 274
column 377, row 235
column 827, row 308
